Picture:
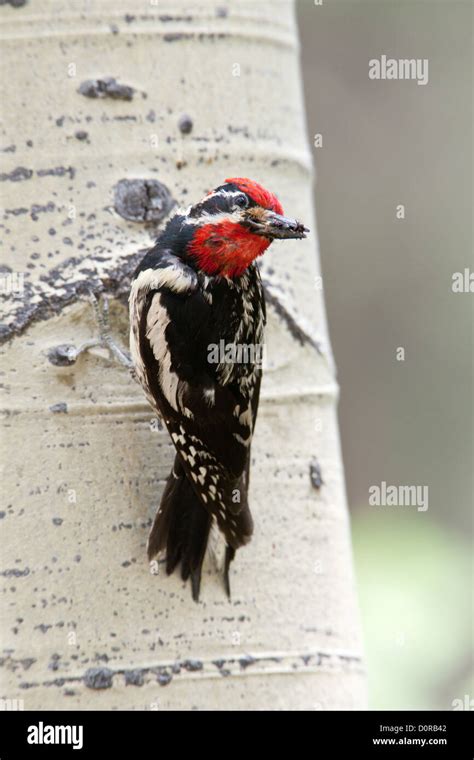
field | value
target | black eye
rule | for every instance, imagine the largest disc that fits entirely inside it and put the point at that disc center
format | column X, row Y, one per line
column 241, row 201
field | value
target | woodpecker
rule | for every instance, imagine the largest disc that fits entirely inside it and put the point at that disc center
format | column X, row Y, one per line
column 196, row 298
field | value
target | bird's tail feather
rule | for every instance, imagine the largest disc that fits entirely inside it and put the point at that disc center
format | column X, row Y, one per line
column 181, row 529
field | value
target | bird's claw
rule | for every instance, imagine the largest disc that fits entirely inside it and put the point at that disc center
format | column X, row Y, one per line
column 67, row 354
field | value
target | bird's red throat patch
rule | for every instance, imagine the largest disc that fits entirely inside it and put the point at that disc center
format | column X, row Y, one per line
column 226, row 248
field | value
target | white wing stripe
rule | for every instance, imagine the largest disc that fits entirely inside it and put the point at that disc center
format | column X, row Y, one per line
column 157, row 322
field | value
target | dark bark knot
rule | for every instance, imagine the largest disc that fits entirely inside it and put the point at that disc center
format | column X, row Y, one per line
column 142, row 200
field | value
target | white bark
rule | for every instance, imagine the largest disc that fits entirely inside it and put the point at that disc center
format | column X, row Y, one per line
column 81, row 486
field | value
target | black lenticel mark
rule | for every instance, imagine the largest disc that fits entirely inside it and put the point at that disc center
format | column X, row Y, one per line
column 315, row 474
column 106, row 88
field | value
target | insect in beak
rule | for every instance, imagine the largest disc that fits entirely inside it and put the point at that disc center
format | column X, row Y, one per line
column 276, row 226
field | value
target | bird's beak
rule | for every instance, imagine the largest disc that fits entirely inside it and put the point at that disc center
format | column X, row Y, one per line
column 275, row 226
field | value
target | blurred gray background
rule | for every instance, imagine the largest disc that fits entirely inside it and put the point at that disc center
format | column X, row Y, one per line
column 388, row 284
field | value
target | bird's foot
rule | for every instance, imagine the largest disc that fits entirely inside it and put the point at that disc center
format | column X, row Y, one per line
column 67, row 354
column 101, row 310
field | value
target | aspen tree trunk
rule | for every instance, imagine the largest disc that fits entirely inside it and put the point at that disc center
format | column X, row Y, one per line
column 83, row 622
